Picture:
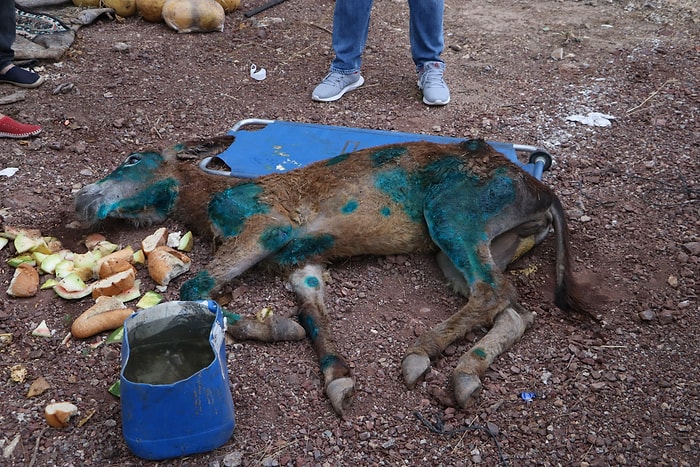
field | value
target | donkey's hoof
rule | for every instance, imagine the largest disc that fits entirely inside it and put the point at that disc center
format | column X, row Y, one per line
column 414, row 367
column 466, row 388
column 273, row 329
column 341, row 393
column 286, row 329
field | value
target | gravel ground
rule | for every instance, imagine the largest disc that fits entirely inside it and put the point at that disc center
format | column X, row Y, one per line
column 627, row 395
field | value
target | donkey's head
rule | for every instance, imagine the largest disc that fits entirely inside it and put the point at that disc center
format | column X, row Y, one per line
column 145, row 187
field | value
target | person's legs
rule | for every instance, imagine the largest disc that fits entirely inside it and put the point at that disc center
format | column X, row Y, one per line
column 7, row 32
column 426, row 31
column 427, row 44
column 10, row 73
column 350, row 29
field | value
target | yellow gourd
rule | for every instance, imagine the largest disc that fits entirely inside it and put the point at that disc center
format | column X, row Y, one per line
column 151, row 10
column 121, row 7
column 194, row 15
column 229, row 5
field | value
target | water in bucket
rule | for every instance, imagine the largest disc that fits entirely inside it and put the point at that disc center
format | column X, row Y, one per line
column 175, row 393
column 174, row 349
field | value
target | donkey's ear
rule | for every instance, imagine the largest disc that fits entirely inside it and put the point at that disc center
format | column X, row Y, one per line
column 200, row 148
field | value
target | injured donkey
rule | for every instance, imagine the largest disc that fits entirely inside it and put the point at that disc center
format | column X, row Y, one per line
column 466, row 201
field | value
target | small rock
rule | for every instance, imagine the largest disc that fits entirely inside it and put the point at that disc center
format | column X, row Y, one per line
column 672, row 281
column 79, row 147
column 666, row 317
column 389, row 444
column 13, row 98
column 121, row 47
column 233, row 459
column 693, row 248
column 647, row 315
column 493, row 428
column 585, row 219
column 476, row 456
column 63, row 88
column 557, row 54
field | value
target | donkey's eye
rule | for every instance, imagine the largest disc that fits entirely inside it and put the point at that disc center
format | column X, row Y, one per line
column 132, row 160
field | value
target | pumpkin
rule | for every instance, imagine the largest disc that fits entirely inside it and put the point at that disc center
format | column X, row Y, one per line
column 121, row 7
column 150, row 10
column 229, row 5
column 194, row 15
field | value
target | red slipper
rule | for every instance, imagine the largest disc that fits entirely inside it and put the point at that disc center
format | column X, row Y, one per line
column 10, row 128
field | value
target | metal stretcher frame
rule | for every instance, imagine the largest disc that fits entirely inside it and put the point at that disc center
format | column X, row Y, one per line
column 263, row 146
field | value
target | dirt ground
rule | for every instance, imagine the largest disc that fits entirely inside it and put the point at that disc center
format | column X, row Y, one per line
column 628, row 395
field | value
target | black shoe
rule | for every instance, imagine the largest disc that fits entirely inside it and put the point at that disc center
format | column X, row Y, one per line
column 21, row 77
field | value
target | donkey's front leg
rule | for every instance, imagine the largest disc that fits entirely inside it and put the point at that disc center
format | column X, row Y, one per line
column 235, row 256
column 338, row 379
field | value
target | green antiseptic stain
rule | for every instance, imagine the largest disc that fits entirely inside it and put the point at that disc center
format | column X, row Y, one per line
column 337, row 159
column 274, row 238
column 458, row 208
column 158, row 198
column 385, row 211
column 383, row 156
column 231, row 317
column 312, row 282
column 479, row 353
column 350, row 206
column 137, row 168
column 197, row 288
column 404, row 189
column 153, row 196
column 309, row 325
column 229, row 209
column 301, row 248
column 327, row 361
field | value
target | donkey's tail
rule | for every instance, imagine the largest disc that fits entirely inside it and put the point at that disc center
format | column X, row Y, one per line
column 568, row 292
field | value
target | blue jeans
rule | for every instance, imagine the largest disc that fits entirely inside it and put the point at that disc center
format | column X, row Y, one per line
column 7, row 32
column 351, row 25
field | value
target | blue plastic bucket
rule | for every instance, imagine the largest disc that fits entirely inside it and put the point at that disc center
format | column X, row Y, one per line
column 175, row 393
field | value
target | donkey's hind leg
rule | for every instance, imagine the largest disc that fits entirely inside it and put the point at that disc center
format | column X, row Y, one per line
column 507, row 329
column 337, row 376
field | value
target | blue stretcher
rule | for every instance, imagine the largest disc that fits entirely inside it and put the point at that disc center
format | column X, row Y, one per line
column 263, row 146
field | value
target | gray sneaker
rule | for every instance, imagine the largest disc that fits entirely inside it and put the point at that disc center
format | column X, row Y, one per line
column 334, row 85
column 430, row 80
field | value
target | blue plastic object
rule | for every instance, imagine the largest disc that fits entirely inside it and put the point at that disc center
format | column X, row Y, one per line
column 262, row 146
column 175, row 393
